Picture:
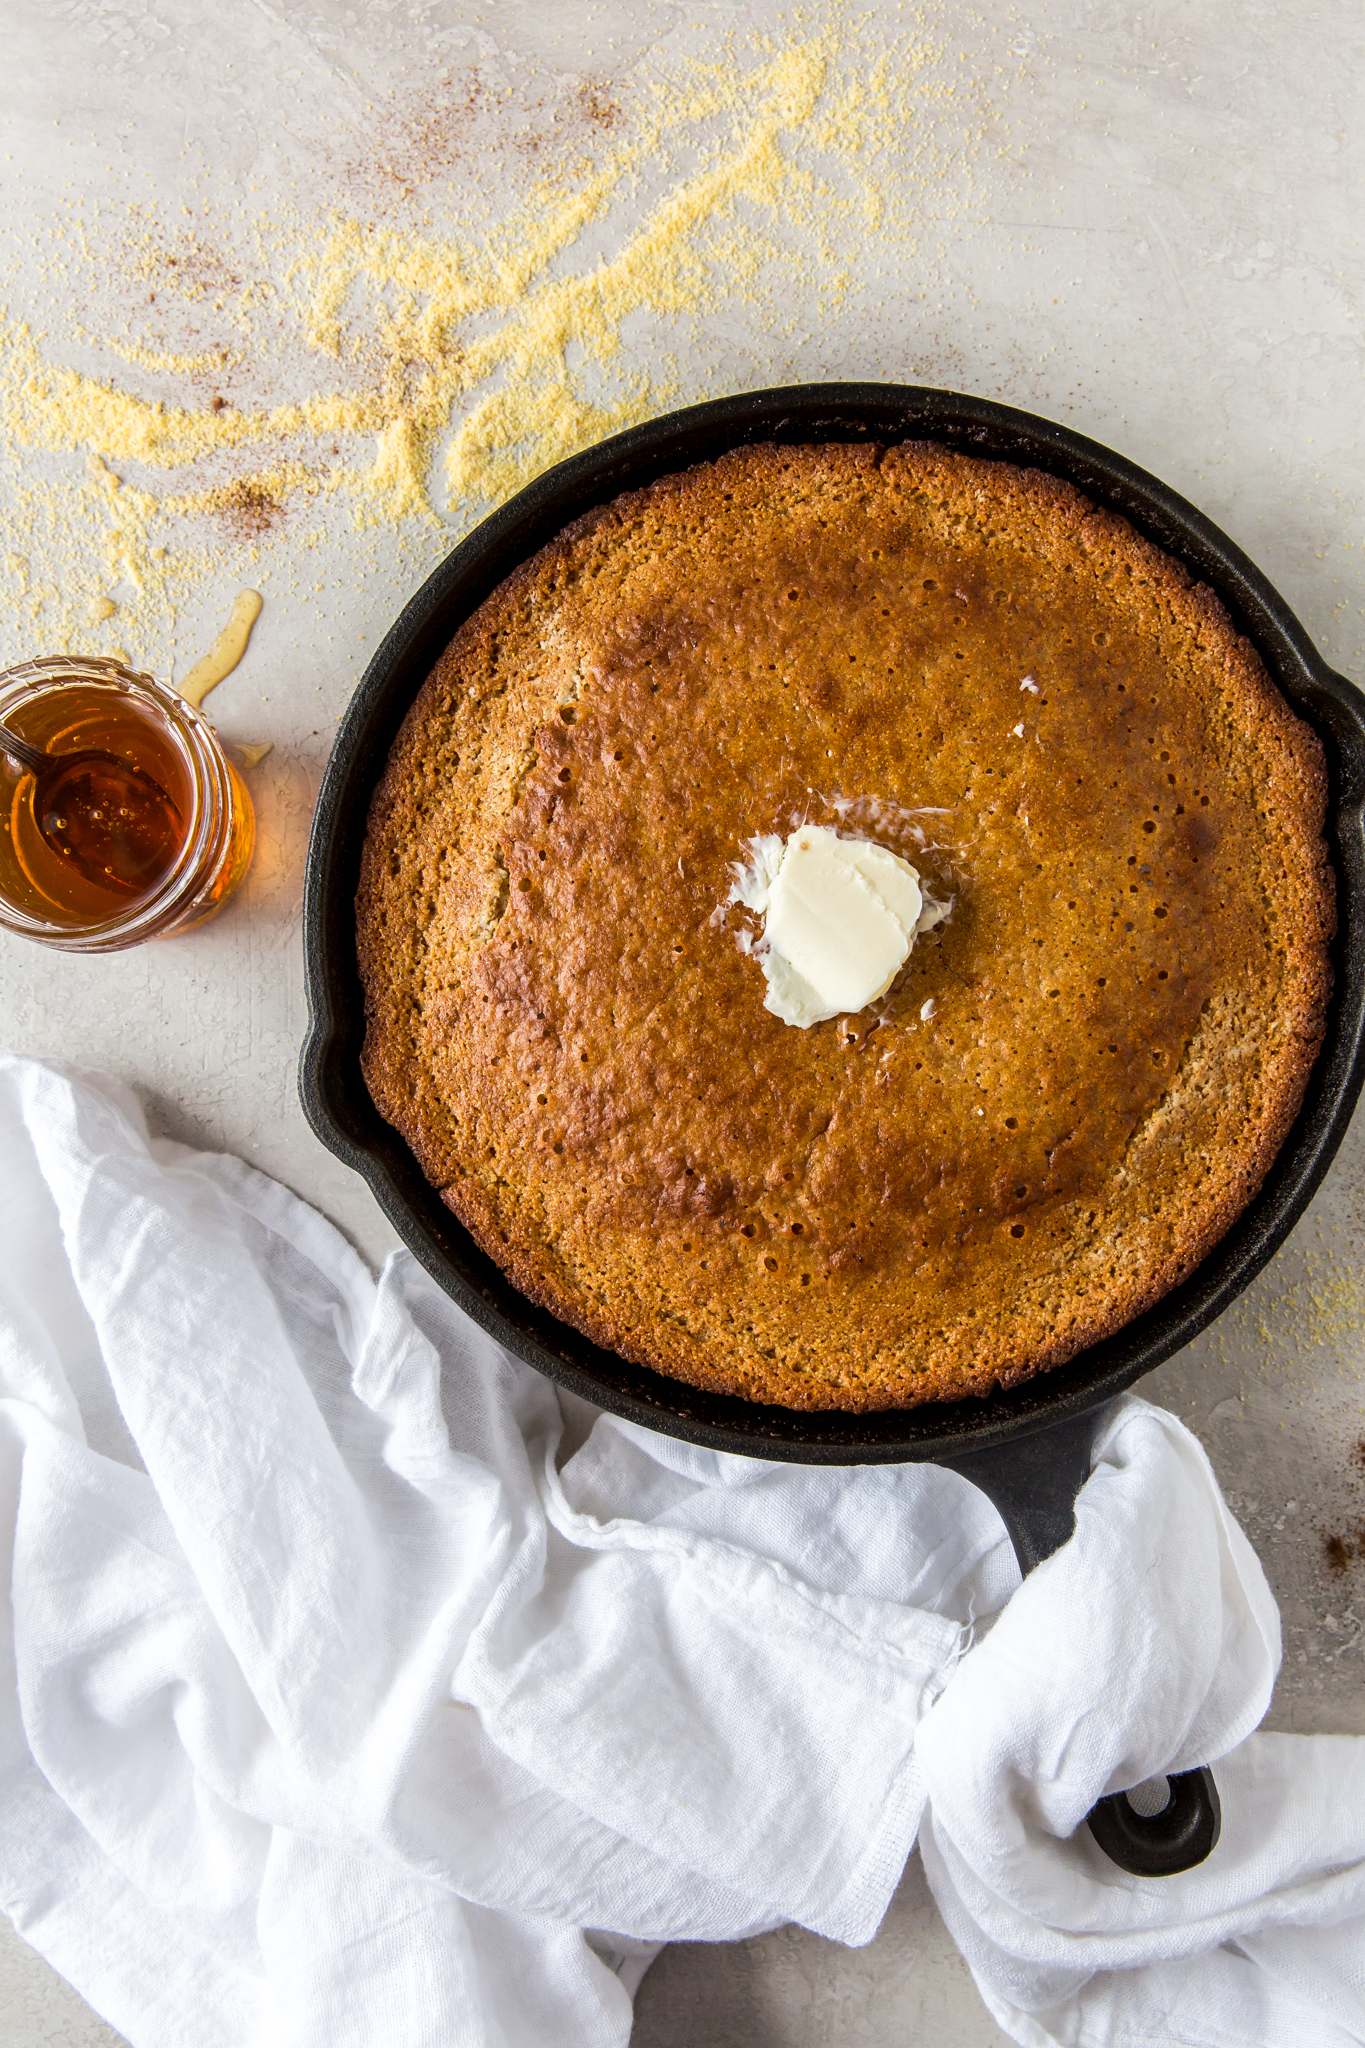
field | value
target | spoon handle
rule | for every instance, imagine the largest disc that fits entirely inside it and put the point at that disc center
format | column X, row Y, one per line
column 31, row 757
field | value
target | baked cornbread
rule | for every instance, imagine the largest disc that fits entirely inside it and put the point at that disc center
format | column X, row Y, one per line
column 1075, row 1083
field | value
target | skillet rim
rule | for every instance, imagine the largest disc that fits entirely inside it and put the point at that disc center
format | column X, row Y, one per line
column 338, row 1106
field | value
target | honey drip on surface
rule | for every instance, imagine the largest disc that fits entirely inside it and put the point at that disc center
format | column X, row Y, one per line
column 84, row 843
column 226, row 651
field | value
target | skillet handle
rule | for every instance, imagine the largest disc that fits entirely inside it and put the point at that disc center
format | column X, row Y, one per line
column 1160, row 1844
column 1033, row 1482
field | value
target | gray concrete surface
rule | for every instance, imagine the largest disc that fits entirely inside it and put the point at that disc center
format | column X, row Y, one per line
column 1143, row 221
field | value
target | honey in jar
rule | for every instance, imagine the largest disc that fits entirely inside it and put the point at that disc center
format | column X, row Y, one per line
column 136, row 826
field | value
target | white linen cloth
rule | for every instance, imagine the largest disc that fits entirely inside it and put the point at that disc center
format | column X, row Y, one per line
column 332, row 1713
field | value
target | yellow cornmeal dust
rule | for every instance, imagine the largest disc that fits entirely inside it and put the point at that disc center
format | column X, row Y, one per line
column 419, row 376
column 1311, row 1301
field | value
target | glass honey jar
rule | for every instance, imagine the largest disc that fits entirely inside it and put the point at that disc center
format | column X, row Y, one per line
column 132, row 826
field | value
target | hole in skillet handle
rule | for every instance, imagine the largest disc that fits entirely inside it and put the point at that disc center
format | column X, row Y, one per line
column 1034, row 1481
column 1177, row 1838
column 344, row 1118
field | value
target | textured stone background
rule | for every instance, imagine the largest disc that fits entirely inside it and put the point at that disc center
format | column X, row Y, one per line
column 1158, row 242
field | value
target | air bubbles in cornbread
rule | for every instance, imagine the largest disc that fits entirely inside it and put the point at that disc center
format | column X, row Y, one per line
column 1074, row 1084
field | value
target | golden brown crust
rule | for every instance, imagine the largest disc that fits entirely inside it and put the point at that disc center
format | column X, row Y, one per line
column 883, row 1210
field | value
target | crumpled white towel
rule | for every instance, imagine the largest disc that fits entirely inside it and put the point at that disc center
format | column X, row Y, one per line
column 1149, row 1643
column 332, row 1713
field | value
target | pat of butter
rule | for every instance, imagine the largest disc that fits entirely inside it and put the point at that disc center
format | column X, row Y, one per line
column 840, row 917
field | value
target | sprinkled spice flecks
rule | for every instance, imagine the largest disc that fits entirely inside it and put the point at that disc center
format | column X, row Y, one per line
column 279, row 366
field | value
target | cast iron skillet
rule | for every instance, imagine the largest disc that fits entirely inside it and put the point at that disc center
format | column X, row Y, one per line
column 1029, row 1448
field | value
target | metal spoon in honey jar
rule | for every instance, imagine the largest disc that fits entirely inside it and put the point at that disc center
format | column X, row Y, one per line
column 110, row 819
